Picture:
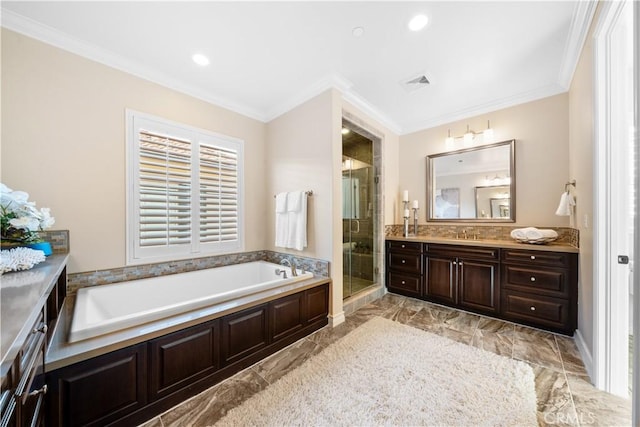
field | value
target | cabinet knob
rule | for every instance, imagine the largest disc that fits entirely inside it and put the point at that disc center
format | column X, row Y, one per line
column 43, row 390
column 42, row 329
column 403, row 282
column 532, row 308
column 455, row 263
column 533, row 257
column 403, row 261
column 403, row 246
column 533, row 279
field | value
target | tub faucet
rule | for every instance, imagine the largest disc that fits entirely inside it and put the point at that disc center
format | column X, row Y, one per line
column 291, row 265
column 284, row 273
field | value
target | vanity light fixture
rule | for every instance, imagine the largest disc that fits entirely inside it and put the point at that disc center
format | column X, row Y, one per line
column 469, row 136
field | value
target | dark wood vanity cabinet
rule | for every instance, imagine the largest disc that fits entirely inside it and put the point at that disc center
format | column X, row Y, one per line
column 540, row 289
column 404, row 268
column 131, row 385
column 534, row 287
column 464, row 276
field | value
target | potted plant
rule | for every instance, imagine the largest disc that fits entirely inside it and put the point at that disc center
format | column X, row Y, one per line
column 21, row 222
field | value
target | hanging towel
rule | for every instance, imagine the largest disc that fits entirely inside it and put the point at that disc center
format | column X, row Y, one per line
column 297, row 238
column 282, row 220
column 294, row 201
column 565, row 207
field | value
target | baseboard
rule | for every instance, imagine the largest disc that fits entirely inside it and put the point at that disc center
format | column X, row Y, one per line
column 336, row 319
column 585, row 353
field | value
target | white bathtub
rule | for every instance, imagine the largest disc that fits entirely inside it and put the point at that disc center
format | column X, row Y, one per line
column 103, row 309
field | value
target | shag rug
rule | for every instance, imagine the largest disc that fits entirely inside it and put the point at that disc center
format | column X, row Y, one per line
column 386, row 373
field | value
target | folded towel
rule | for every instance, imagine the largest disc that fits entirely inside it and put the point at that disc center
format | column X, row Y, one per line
column 281, row 202
column 532, row 233
column 297, row 225
column 294, row 201
column 565, row 207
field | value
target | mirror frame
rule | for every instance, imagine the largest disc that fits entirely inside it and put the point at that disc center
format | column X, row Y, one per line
column 512, row 173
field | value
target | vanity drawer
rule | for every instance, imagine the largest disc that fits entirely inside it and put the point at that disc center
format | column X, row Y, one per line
column 400, row 246
column 552, row 259
column 409, row 263
column 468, row 252
column 545, row 282
column 404, row 283
column 537, row 310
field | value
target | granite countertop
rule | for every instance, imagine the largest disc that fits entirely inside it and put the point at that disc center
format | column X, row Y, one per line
column 506, row 244
column 63, row 353
column 22, row 296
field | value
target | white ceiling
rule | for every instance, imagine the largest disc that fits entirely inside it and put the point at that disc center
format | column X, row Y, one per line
column 268, row 57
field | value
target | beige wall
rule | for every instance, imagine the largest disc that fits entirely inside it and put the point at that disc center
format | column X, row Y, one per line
column 541, row 131
column 581, row 149
column 63, row 141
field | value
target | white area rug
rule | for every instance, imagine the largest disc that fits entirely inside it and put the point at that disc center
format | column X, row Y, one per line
column 386, row 373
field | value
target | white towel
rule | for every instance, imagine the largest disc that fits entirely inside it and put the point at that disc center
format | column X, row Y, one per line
column 282, row 220
column 521, row 233
column 294, row 201
column 565, row 207
column 532, row 233
column 297, row 222
column 281, row 202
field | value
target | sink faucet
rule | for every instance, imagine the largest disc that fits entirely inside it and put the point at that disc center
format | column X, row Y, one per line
column 291, row 265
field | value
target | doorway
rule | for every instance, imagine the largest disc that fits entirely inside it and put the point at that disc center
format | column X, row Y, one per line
column 358, row 204
column 615, row 205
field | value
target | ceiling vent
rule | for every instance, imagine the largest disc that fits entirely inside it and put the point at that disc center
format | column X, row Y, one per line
column 415, row 82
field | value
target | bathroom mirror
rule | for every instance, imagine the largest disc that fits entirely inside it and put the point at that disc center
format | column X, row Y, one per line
column 473, row 184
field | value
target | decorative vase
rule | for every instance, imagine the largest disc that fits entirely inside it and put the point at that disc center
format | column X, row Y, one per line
column 42, row 246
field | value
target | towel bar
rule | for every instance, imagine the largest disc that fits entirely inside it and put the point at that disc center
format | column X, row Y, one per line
column 308, row 193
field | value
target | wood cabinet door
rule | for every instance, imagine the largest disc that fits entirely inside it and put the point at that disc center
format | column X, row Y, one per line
column 479, row 285
column 99, row 390
column 441, row 280
column 287, row 315
column 244, row 333
column 180, row 358
column 317, row 300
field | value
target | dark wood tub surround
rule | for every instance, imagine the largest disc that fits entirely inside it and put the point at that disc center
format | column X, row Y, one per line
column 526, row 285
column 135, row 383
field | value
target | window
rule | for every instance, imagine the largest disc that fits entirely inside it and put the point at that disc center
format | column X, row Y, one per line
column 184, row 191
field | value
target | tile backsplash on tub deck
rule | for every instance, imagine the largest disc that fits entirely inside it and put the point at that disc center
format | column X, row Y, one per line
column 567, row 235
column 76, row 281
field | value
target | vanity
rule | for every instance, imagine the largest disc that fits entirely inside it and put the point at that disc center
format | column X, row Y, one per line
column 535, row 285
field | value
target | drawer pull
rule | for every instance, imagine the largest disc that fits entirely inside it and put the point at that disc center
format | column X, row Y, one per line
column 532, row 308
column 533, row 257
column 455, row 263
column 42, row 329
column 403, row 261
column 533, row 279
column 403, row 282
column 403, row 246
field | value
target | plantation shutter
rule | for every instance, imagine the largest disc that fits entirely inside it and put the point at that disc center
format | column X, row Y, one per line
column 218, row 178
column 164, row 190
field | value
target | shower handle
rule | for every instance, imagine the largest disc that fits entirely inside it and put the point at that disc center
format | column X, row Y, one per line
column 357, row 230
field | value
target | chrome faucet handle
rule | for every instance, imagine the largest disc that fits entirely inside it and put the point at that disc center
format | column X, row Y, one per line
column 284, row 273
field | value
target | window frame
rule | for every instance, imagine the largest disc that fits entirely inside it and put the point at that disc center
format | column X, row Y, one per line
column 137, row 254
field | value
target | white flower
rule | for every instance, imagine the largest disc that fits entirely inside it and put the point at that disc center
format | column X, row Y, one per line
column 46, row 220
column 13, row 200
column 25, row 223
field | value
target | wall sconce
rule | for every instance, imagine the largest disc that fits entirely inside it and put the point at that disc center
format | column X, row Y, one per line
column 469, row 136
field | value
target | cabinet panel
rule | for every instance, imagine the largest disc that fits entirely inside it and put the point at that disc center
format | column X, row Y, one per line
column 545, row 282
column 441, row 280
column 479, row 285
column 182, row 357
column 244, row 333
column 317, row 303
column 398, row 246
column 286, row 315
column 538, row 310
column 409, row 263
column 99, row 390
column 554, row 259
column 405, row 284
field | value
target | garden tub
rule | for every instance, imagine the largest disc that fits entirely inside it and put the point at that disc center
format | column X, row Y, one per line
column 104, row 309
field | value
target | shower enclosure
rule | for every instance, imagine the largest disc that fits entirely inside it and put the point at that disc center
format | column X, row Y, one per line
column 358, row 193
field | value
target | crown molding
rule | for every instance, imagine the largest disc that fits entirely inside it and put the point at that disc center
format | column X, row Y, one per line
column 580, row 24
column 476, row 110
column 28, row 27
column 366, row 107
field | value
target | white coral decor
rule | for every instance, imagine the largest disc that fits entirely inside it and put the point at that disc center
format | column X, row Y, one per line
column 19, row 259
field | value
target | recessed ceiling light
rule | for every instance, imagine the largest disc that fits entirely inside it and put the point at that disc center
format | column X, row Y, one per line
column 345, row 131
column 357, row 32
column 200, row 59
column 418, row 22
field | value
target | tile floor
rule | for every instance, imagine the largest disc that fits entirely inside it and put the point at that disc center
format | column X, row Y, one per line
column 565, row 395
